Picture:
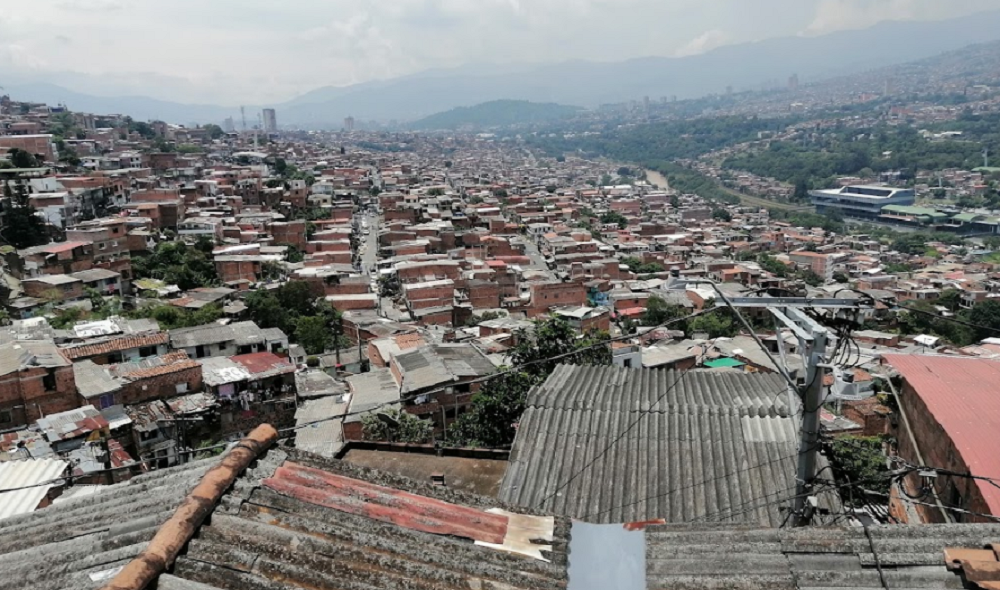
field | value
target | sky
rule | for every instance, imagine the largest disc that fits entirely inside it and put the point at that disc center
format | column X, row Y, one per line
column 255, row 51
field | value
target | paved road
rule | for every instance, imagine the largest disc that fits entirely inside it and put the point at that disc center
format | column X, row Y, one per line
column 370, row 257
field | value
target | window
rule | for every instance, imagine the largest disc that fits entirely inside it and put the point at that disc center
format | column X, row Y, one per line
column 147, row 351
column 106, row 401
column 49, row 380
column 5, row 416
column 199, row 351
column 181, row 387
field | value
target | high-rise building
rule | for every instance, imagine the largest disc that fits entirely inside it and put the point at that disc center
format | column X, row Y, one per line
column 793, row 82
column 270, row 121
column 349, row 124
column 228, row 126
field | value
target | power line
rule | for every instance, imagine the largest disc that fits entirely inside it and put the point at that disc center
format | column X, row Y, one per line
column 499, row 374
column 668, row 492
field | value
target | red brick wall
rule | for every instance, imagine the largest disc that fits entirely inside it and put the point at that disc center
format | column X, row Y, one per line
column 937, row 449
column 159, row 386
column 234, row 271
column 26, row 388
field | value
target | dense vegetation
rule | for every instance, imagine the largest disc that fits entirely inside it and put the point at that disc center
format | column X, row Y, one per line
column 662, row 141
column 177, row 263
column 497, row 113
column 815, row 160
column 300, row 312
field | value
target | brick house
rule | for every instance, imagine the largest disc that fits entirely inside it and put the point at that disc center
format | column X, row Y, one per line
column 56, row 258
column 36, row 380
column 546, row 295
column 154, row 378
column 437, row 380
column 952, row 410
column 110, row 243
column 116, row 349
column 55, row 288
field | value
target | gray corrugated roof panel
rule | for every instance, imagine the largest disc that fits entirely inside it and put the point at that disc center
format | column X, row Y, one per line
column 201, row 335
column 717, row 444
column 322, row 438
column 371, row 390
column 93, row 380
column 810, row 557
column 60, row 546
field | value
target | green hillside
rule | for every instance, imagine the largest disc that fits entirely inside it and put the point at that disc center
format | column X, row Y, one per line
column 497, row 113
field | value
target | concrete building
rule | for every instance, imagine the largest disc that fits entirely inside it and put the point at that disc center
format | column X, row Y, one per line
column 860, row 201
column 270, row 121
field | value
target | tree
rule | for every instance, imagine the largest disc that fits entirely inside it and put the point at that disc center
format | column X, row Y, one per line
column 486, row 316
column 839, row 277
column 658, row 311
column 267, row 312
column 396, row 426
column 811, row 278
column 22, row 158
column 624, row 171
column 986, row 315
column 560, row 158
column 859, row 461
column 313, row 334
column 500, row 193
column 721, row 214
column 374, row 191
column 718, row 324
column 495, row 412
column 214, row 131
column 615, row 217
column 435, row 192
column 497, row 407
column 23, row 228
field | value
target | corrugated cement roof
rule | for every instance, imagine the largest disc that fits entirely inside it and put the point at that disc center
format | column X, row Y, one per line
column 20, row 474
column 710, row 557
column 719, row 444
column 62, row 546
column 963, row 395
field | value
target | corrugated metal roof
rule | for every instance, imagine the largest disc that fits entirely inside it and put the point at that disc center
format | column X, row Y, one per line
column 963, row 395
column 373, row 537
column 19, row 474
column 72, row 423
column 717, row 444
column 384, row 504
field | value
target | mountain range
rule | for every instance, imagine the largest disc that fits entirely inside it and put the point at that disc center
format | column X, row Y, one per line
column 583, row 83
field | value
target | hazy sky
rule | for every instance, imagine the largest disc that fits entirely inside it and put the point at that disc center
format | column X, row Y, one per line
column 256, row 51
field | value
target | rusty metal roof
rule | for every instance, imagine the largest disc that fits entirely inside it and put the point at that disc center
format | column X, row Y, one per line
column 963, row 396
column 386, row 504
column 116, row 345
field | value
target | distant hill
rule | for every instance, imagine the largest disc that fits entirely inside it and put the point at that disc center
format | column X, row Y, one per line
column 589, row 84
column 496, row 113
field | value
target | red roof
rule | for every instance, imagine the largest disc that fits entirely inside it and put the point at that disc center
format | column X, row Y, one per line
column 264, row 364
column 631, row 311
column 64, row 247
column 963, row 396
column 386, row 504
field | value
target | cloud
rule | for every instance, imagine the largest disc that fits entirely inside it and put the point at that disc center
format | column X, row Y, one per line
column 705, row 42
column 836, row 15
column 246, row 51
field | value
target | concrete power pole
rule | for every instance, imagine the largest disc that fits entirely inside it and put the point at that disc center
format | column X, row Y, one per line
column 813, row 340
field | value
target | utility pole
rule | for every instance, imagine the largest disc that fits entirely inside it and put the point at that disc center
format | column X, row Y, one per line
column 813, row 340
